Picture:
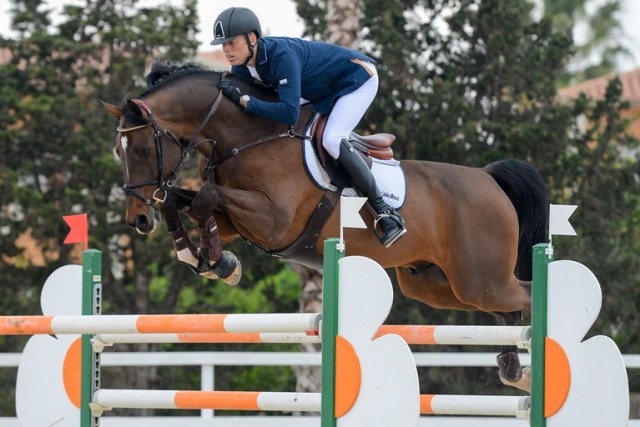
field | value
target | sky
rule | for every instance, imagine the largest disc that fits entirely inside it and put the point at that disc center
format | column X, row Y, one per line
column 279, row 18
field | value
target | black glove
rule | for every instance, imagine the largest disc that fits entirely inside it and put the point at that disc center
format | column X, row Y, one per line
column 231, row 91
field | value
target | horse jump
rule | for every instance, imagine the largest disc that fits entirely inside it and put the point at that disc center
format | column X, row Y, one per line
column 426, row 404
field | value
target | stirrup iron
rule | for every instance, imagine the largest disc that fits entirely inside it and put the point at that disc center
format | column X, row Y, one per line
column 381, row 236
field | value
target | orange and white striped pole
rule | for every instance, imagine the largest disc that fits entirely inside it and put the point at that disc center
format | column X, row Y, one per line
column 412, row 334
column 475, row 405
column 458, row 334
column 160, row 324
column 106, row 399
column 430, row 404
column 210, row 338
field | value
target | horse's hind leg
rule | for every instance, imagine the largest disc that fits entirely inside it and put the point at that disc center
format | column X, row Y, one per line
column 509, row 369
column 426, row 282
column 508, row 303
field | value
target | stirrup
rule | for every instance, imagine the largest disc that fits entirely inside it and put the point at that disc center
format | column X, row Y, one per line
column 387, row 241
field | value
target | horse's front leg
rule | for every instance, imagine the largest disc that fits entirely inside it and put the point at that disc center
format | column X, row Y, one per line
column 187, row 253
column 176, row 200
column 213, row 260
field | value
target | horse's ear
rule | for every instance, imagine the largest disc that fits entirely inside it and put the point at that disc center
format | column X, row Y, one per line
column 111, row 109
column 134, row 108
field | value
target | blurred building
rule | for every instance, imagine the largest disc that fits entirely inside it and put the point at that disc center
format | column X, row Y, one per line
column 213, row 59
column 596, row 88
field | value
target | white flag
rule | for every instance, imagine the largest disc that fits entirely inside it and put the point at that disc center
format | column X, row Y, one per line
column 350, row 212
column 559, row 220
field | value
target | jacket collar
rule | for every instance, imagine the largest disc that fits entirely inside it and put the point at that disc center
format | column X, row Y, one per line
column 261, row 52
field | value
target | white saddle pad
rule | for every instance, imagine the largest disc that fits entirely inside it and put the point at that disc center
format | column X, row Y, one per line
column 388, row 174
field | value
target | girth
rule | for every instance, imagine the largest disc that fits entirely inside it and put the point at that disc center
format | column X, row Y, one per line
column 303, row 250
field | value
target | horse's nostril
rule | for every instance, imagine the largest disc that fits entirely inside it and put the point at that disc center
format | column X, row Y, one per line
column 142, row 223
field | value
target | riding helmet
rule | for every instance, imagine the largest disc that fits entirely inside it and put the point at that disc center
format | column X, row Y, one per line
column 234, row 22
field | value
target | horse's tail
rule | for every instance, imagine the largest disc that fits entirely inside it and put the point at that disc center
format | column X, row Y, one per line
column 526, row 189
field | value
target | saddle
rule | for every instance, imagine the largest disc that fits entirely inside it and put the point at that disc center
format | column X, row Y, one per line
column 371, row 146
column 377, row 145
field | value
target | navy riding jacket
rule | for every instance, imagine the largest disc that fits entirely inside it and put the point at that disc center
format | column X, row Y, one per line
column 318, row 72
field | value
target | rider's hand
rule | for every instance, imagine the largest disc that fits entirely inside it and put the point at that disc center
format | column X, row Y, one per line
column 231, row 91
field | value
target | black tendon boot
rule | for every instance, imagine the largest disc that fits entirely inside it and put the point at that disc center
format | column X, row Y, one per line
column 390, row 222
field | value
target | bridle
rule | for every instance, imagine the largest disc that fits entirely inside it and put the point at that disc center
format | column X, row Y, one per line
column 163, row 186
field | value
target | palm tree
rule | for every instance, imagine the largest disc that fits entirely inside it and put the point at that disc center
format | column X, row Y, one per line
column 596, row 27
column 343, row 22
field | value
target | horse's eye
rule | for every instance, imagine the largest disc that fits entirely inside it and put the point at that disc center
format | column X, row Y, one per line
column 146, row 152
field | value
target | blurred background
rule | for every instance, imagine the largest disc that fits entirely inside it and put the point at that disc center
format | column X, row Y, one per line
column 555, row 83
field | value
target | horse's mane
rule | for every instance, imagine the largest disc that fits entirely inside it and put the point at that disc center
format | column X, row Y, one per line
column 163, row 74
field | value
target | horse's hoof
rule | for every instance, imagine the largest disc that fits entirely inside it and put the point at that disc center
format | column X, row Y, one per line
column 524, row 383
column 234, row 278
column 228, row 268
column 509, row 367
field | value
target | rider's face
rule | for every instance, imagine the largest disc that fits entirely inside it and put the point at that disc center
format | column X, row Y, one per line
column 237, row 50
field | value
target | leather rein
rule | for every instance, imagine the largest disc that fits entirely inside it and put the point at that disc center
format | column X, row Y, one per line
column 163, row 186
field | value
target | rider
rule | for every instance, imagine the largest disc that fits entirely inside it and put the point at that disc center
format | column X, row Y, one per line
column 337, row 81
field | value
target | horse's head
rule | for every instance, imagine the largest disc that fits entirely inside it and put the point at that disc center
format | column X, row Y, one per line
column 151, row 157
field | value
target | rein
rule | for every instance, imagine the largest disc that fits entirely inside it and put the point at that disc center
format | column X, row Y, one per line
column 211, row 165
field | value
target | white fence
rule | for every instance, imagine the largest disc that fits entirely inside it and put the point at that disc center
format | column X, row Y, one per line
column 208, row 361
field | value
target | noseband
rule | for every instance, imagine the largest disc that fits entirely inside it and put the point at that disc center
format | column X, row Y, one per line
column 163, row 186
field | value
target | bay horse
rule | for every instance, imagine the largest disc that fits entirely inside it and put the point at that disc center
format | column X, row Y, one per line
column 470, row 230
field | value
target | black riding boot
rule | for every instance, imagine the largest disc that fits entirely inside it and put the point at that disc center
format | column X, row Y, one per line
column 390, row 222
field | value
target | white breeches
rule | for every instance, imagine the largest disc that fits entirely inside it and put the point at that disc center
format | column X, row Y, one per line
column 347, row 113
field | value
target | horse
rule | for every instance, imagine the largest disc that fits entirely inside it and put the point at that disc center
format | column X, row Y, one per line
column 470, row 230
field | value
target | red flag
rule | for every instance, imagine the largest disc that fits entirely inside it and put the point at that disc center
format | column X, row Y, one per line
column 79, row 229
